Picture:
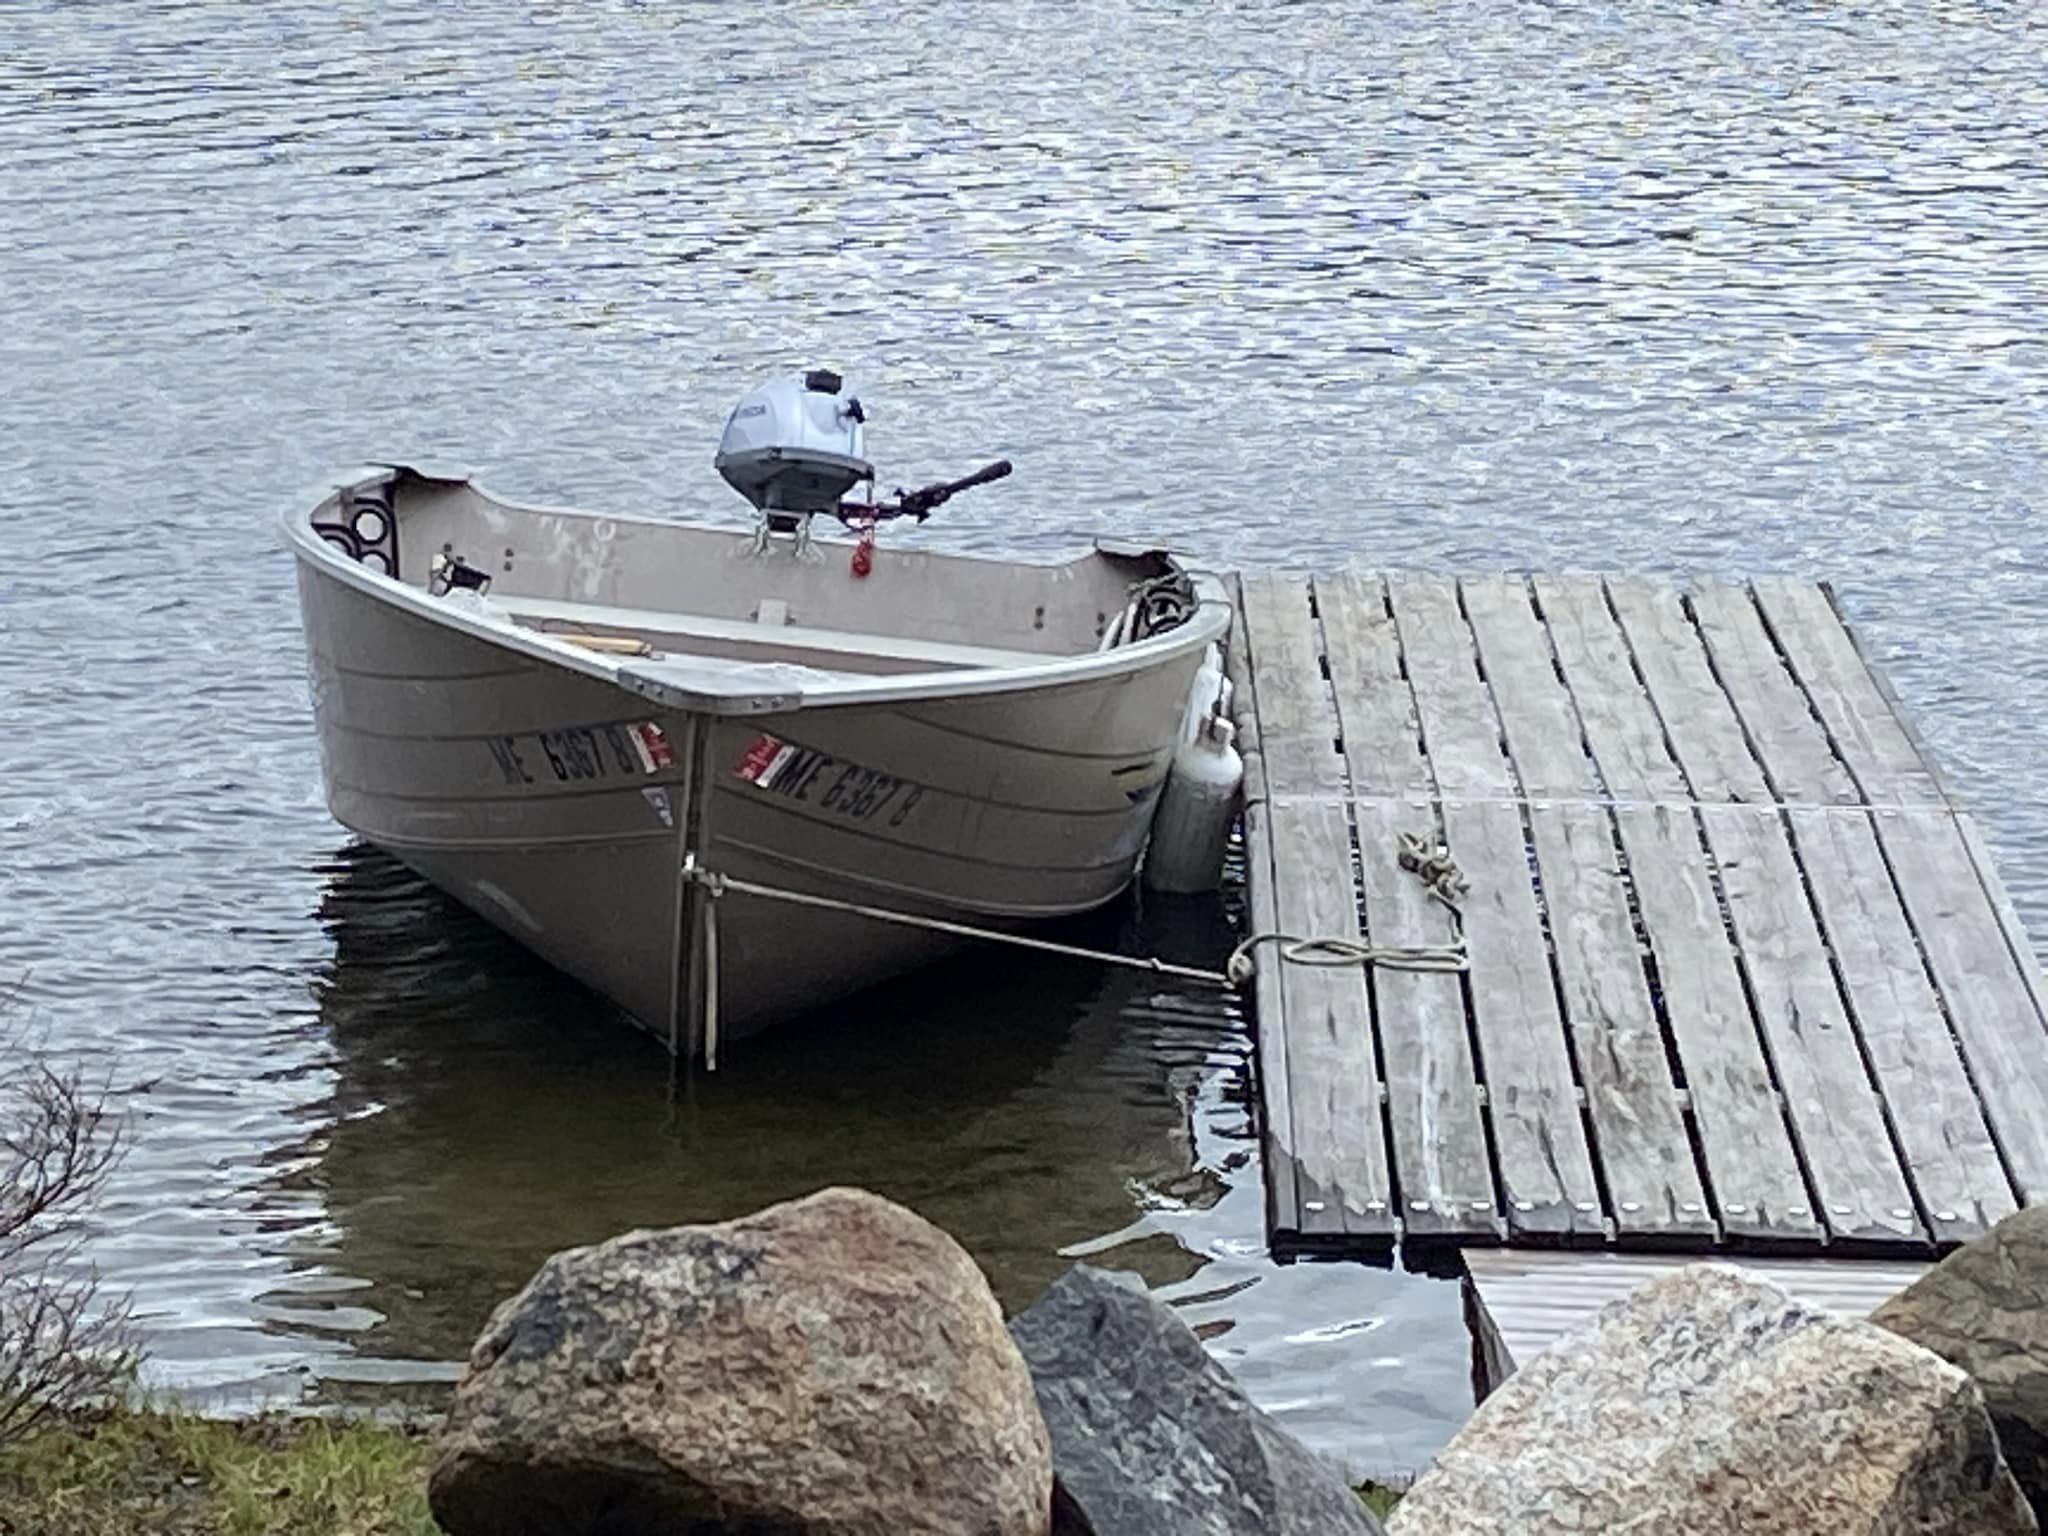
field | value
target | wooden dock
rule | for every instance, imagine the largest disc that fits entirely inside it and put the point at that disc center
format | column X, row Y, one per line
column 1741, row 977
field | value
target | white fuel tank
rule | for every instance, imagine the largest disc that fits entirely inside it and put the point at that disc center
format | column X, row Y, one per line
column 1191, row 828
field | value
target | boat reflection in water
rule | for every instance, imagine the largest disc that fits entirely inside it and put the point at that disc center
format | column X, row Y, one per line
column 488, row 1111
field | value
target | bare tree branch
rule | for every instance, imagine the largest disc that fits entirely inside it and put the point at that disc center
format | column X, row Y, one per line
column 63, row 1344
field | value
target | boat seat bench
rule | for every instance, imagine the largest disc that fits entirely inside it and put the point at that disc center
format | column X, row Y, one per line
column 834, row 642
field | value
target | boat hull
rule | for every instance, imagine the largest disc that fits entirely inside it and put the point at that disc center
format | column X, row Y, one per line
column 560, row 805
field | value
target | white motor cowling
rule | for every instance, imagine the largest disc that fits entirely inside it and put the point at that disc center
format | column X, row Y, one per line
column 795, row 446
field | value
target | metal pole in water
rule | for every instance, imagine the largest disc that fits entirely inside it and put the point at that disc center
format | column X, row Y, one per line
column 679, row 935
column 710, row 992
column 702, row 950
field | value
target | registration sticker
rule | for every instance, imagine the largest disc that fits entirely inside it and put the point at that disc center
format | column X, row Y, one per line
column 650, row 744
column 764, row 760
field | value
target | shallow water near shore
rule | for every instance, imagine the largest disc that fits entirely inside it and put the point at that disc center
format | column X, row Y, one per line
column 1643, row 285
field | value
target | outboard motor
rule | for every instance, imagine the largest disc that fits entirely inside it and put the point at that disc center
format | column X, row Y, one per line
column 794, row 448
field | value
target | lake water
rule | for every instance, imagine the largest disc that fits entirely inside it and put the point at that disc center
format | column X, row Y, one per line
column 1730, row 288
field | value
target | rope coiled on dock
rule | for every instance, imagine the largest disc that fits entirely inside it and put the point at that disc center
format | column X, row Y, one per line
column 1424, row 857
column 1432, row 860
column 1333, row 951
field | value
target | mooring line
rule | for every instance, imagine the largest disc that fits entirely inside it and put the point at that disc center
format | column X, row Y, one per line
column 1297, row 949
column 719, row 884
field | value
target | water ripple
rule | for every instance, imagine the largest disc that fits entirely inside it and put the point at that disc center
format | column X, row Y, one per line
column 1741, row 288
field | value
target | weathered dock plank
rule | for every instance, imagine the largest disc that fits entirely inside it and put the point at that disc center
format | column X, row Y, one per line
column 1739, row 976
column 1699, row 721
column 1459, row 730
column 1989, row 1003
column 1440, row 1148
column 1624, row 734
column 1932, row 1112
column 1333, row 1079
column 1269, row 1014
column 1335, row 1150
column 1645, row 1150
column 1837, row 1122
column 1375, row 705
column 1750, row 1164
column 1837, row 1118
column 1950, row 1156
column 1441, row 1161
column 1297, row 719
column 1943, row 903
column 1802, row 768
column 1644, row 1145
column 1521, row 1302
column 1867, row 734
column 1548, row 1187
column 2023, row 952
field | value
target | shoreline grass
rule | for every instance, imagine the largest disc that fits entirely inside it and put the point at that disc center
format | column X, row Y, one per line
column 122, row 1471
column 171, row 1473
column 1379, row 1498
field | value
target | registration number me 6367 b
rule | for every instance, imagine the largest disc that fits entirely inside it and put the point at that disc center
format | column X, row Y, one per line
column 579, row 753
column 810, row 777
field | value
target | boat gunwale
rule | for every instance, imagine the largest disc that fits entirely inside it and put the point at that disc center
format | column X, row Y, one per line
column 1206, row 625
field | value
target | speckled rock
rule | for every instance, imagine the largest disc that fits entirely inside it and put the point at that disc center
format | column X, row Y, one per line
column 831, row 1365
column 1151, row 1437
column 1985, row 1308
column 1710, row 1402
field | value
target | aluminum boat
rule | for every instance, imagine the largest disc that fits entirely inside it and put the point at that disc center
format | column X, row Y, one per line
column 596, row 728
